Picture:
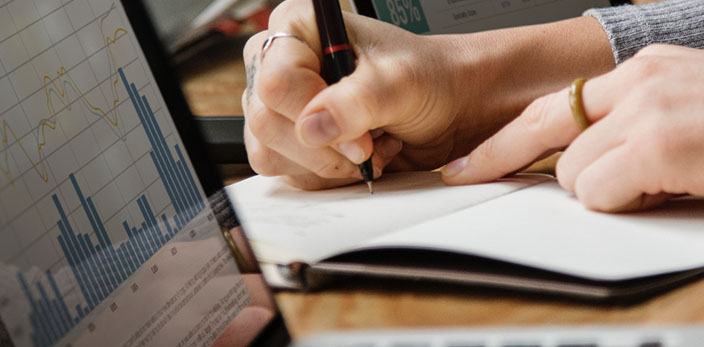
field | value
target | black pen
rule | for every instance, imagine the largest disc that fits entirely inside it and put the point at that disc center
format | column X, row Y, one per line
column 338, row 57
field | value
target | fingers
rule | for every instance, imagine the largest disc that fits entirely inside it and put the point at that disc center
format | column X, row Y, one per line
column 314, row 182
column 288, row 74
column 348, row 109
column 643, row 202
column 266, row 161
column 276, row 132
column 357, row 150
column 385, row 150
column 273, row 150
column 286, row 97
column 295, row 17
column 545, row 125
column 289, row 77
column 618, row 180
column 596, row 140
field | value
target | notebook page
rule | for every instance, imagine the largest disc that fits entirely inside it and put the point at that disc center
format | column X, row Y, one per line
column 286, row 224
column 546, row 227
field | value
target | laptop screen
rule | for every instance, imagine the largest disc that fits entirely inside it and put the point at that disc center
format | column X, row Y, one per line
column 107, row 234
column 465, row 16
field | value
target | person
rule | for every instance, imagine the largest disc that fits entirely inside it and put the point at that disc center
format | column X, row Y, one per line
column 425, row 102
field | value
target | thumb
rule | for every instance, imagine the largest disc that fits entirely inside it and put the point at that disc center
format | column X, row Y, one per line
column 347, row 110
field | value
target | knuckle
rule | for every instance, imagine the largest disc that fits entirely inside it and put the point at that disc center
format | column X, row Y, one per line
column 286, row 11
column 279, row 12
column 643, row 68
column 656, row 151
column 261, row 161
column 274, row 85
column 253, row 45
column 535, row 117
column 591, row 198
column 260, row 124
column 484, row 153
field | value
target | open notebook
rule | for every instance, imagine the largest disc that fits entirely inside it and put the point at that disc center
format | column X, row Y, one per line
column 523, row 232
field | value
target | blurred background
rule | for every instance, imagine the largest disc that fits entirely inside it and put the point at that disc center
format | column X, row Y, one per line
column 206, row 38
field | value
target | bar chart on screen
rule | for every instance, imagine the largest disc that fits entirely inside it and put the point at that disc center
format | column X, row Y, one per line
column 94, row 179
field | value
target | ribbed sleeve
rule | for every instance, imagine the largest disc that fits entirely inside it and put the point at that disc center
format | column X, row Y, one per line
column 632, row 27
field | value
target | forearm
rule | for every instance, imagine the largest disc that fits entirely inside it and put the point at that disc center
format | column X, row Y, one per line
column 526, row 62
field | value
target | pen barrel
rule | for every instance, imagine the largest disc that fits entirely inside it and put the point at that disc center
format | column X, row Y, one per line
column 338, row 57
column 337, row 65
column 331, row 26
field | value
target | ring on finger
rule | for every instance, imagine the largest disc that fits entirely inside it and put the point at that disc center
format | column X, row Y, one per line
column 576, row 104
column 270, row 40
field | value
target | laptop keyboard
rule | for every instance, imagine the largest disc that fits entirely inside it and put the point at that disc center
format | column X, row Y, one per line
column 452, row 344
column 430, row 344
column 532, row 337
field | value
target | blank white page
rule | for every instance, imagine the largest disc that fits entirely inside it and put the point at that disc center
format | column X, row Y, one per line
column 286, row 224
column 544, row 226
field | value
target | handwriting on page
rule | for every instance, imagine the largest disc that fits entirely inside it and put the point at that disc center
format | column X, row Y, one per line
column 316, row 224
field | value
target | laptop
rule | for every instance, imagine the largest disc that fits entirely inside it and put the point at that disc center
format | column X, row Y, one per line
column 466, row 16
column 114, row 230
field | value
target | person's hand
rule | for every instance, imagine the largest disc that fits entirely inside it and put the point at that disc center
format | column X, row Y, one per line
column 415, row 102
column 398, row 97
column 646, row 141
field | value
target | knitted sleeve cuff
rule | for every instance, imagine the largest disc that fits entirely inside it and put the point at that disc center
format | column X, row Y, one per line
column 632, row 27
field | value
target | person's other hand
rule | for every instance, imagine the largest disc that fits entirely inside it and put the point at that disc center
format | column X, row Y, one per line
column 646, row 141
column 315, row 135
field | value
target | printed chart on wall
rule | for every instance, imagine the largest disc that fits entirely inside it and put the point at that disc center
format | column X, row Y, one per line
column 99, row 205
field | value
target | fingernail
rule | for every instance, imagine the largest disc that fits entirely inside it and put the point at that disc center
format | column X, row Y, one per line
column 455, row 167
column 352, row 151
column 389, row 147
column 319, row 129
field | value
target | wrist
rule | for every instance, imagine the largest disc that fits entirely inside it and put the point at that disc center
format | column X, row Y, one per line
column 496, row 74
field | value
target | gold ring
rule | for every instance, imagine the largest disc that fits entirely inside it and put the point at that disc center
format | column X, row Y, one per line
column 270, row 40
column 576, row 104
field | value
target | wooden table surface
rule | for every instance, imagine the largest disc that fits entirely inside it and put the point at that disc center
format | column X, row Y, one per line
column 213, row 83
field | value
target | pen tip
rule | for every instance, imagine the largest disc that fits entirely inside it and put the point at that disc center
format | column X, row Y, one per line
column 371, row 189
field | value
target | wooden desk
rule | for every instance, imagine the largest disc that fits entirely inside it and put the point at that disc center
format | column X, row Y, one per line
column 375, row 308
column 213, row 85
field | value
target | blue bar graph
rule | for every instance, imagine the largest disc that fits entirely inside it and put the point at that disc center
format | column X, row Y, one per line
column 100, row 266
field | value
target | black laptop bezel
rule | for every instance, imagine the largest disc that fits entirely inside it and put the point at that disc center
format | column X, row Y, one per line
column 275, row 333
column 366, row 8
column 176, row 103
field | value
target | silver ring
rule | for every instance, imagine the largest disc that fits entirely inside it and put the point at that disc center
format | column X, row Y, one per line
column 270, row 40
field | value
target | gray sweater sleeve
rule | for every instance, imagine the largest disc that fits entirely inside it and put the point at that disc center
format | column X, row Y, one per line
column 632, row 27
